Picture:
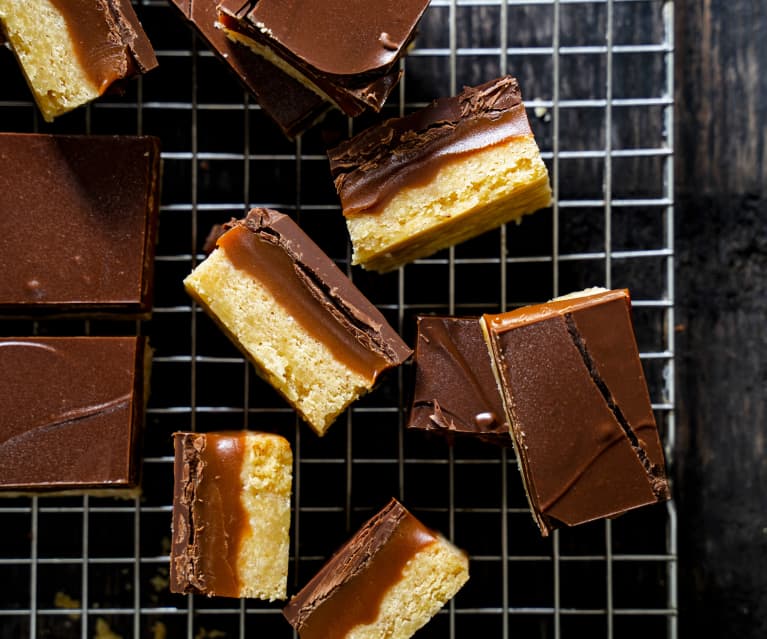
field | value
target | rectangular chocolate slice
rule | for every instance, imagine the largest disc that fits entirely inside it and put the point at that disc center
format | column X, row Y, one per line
column 71, row 414
column 307, row 329
column 388, row 580
column 461, row 166
column 78, row 218
column 72, row 51
column 455, row 391
column 291, row 105
column 576, row 397
column 231, row 514
column 344, row 51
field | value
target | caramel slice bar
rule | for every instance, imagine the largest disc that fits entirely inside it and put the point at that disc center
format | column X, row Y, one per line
column 462, row 166
column 576, row 397
column 71, row 414
column 293, row 107
column 307, row 329
column 78, row 223
column 231, row 514
column 72, row 51
column 343, row 51
column 454, row 391
column 388, row 581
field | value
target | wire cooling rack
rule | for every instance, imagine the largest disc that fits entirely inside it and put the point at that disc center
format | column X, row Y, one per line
column 597, row 80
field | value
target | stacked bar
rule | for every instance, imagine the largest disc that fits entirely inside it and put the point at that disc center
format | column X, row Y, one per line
column 306, row 328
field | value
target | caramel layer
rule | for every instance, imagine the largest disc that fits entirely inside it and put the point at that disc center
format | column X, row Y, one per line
column 305, row 299
column 107, row 38
column 377, row 557
column 209, row 517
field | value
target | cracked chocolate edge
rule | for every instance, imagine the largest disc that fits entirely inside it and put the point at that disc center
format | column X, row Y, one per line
column 657, row 483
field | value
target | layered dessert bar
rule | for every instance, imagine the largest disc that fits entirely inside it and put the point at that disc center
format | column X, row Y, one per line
column 345, row 52
column 307, row 329
column 231, row 514
column 71, row 414
column 580, row 413
column 291, row 105
column 459, row 167
column 454, row 392
column 72, row 51
column 78, row 223
column 387, row 581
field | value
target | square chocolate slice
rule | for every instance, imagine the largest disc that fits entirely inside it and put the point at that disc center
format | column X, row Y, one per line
column 78, row 219
column 580, row 413
column 455, row 391
column 71, row 414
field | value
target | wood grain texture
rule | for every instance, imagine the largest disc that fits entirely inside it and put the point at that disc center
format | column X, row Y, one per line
column 722, row 305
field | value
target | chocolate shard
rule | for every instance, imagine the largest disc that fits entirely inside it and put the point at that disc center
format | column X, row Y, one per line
column 576, row 396
column 390, row 578
column 346, row 52
column 307, row 329
column 88, row 206
column 71, row 414
column 455, row 393
column 293, row 107
column 73, row 51
column 223, row 482
column 461, row 166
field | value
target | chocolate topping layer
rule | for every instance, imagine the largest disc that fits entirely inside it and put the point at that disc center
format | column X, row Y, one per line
column 78, row 223
column 338, row 37
column 109, row 41
column 349, row 588
column 209, row 519
column 571, row 375
column 348, row 49
column 70, row 412
column 271, row 247
column 372, row 166
column 292, row 106
column 455, row 390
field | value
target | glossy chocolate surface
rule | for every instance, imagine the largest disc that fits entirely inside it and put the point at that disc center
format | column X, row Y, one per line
column 348, row 49
column 272, row 248
column 78, row 217
column 372, row 166
column 70, row 413
column 455, row 392
column 349, row 588
column 292, row 106
column 209, row 518
column 108, row 39
column 580, row 411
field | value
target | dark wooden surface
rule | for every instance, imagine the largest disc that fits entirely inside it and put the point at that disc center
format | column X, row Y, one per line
column 721, row 241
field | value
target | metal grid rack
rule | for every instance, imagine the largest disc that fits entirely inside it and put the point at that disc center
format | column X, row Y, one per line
column 597, row 80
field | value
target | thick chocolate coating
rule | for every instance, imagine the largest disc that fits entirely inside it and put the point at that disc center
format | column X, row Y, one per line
column 208, row 516
column 292, row 106
column 78, row 218
column 581, row 416
column 347, row 590
column 348, row 49
column 320, row 297
column 70, row 413
column 455, row 391
column 373, row 165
